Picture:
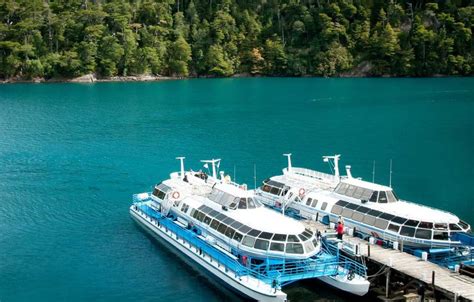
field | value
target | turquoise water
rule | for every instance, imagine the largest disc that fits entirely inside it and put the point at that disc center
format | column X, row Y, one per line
column 71, row 156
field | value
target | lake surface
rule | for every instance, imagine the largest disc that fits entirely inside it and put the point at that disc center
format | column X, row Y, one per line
column 71, row 156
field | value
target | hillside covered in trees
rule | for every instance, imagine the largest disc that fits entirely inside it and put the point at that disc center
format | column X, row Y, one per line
column 69, row 38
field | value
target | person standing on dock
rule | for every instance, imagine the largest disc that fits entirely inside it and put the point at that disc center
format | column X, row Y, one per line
column 340, row 230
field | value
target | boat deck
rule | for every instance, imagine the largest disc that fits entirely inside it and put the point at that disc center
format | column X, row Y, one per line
column 446, row 281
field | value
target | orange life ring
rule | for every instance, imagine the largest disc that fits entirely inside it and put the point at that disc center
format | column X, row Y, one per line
column 301, row 192
column 175, row 195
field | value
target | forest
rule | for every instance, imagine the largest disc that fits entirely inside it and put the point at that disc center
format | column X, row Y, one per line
column 60, row 39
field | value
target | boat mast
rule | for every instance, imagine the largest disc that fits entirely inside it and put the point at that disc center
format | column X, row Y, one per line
column 181, row 159
column 335, row 158
column 289, row 161
column 214, row 163
column 390, row 179
column 373, row 171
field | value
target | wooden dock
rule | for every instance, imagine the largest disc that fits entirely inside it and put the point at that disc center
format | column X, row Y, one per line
column 453, row 285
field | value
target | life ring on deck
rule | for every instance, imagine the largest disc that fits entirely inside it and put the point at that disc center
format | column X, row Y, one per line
column 175, row 195
column 301, row 192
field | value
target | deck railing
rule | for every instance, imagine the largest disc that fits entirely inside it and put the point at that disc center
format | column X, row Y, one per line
column 272, row 274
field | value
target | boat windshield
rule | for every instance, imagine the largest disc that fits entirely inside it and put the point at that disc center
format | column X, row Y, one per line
column 365, row 194
column 233, row 202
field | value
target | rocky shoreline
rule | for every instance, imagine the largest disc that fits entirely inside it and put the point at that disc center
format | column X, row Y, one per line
column 91, row 78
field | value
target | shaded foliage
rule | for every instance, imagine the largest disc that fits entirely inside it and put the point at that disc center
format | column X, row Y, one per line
column 56, row 38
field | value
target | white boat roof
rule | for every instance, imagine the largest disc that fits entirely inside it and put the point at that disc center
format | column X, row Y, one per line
column 365, row 184
column 415, row 211
column 266, row 220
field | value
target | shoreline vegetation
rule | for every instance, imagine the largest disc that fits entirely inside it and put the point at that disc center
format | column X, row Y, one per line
column 150, row 40
column 91, row 78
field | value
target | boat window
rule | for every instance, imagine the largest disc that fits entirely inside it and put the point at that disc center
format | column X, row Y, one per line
column 358, row 192
column 441, row 226
column 315, row 202
column 193, row 212
column 382, row 197
column 308, row 233
column 265, row 235
column 275, row 191
column 366, row 194
column 242, row 203
column 237, row 236
column 252, row 204
column 387, row 216
column 244, row 229
column 254, row 232
column 315, row 242
column 261, row 244
column 358, row 216
column 423, row 234
column 213, row 213
column 308, row 201
column 341, row 189
column 463, row 224
column 279, row 237
column 399, row 220
column 292, row 238
column 248, row 241
column 347, row 213
column 350, row 191
column 228, row 220
column 200, row 216
column 221, row 216
column 276, row 246
column 236, row 224
column 222, row 228
column 230, row 232
column 407, row 231
column 391, row 197
column 207, row 220
column 308, row 246
column 158, row 193
column 336, row 209
column 373, row 198
column 342, row 203
column 323, row 206
column 454, row 227
column 303, row 237
column 381, row 223
column 393, row 227
column 374, row 213
column 215, row 224
column 294, row 248
column 437, row 235
column 352, row 206
column 370, row 220
column 412, row 223
column 425, row 225
column 363, row 209
column 266, row 188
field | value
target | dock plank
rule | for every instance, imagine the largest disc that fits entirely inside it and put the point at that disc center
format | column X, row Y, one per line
column 445, row 280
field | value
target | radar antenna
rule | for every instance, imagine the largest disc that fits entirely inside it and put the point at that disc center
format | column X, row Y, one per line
column 215, row 163
column 335, row 158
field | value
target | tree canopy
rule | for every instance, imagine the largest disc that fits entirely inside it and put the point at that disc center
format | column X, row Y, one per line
column 62, row 39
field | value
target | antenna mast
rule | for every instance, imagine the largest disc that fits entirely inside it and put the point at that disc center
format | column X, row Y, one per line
column 373, row 171
column 213, row 162
column 289, row 161
column 390, row 181
column 255, row 176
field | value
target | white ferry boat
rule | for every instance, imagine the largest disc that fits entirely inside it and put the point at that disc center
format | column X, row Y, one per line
column 369, row 208
column 248, row 247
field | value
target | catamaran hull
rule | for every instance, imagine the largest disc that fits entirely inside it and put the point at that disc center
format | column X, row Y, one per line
column 356, row 286
column 224, row 277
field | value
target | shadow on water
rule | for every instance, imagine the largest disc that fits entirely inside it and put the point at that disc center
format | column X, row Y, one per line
column 189, row 267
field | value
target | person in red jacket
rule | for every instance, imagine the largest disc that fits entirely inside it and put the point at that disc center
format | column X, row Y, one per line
column 340, row 230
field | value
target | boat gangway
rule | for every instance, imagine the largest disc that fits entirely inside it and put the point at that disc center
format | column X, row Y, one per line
column 275, row 273
column 452, row 284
